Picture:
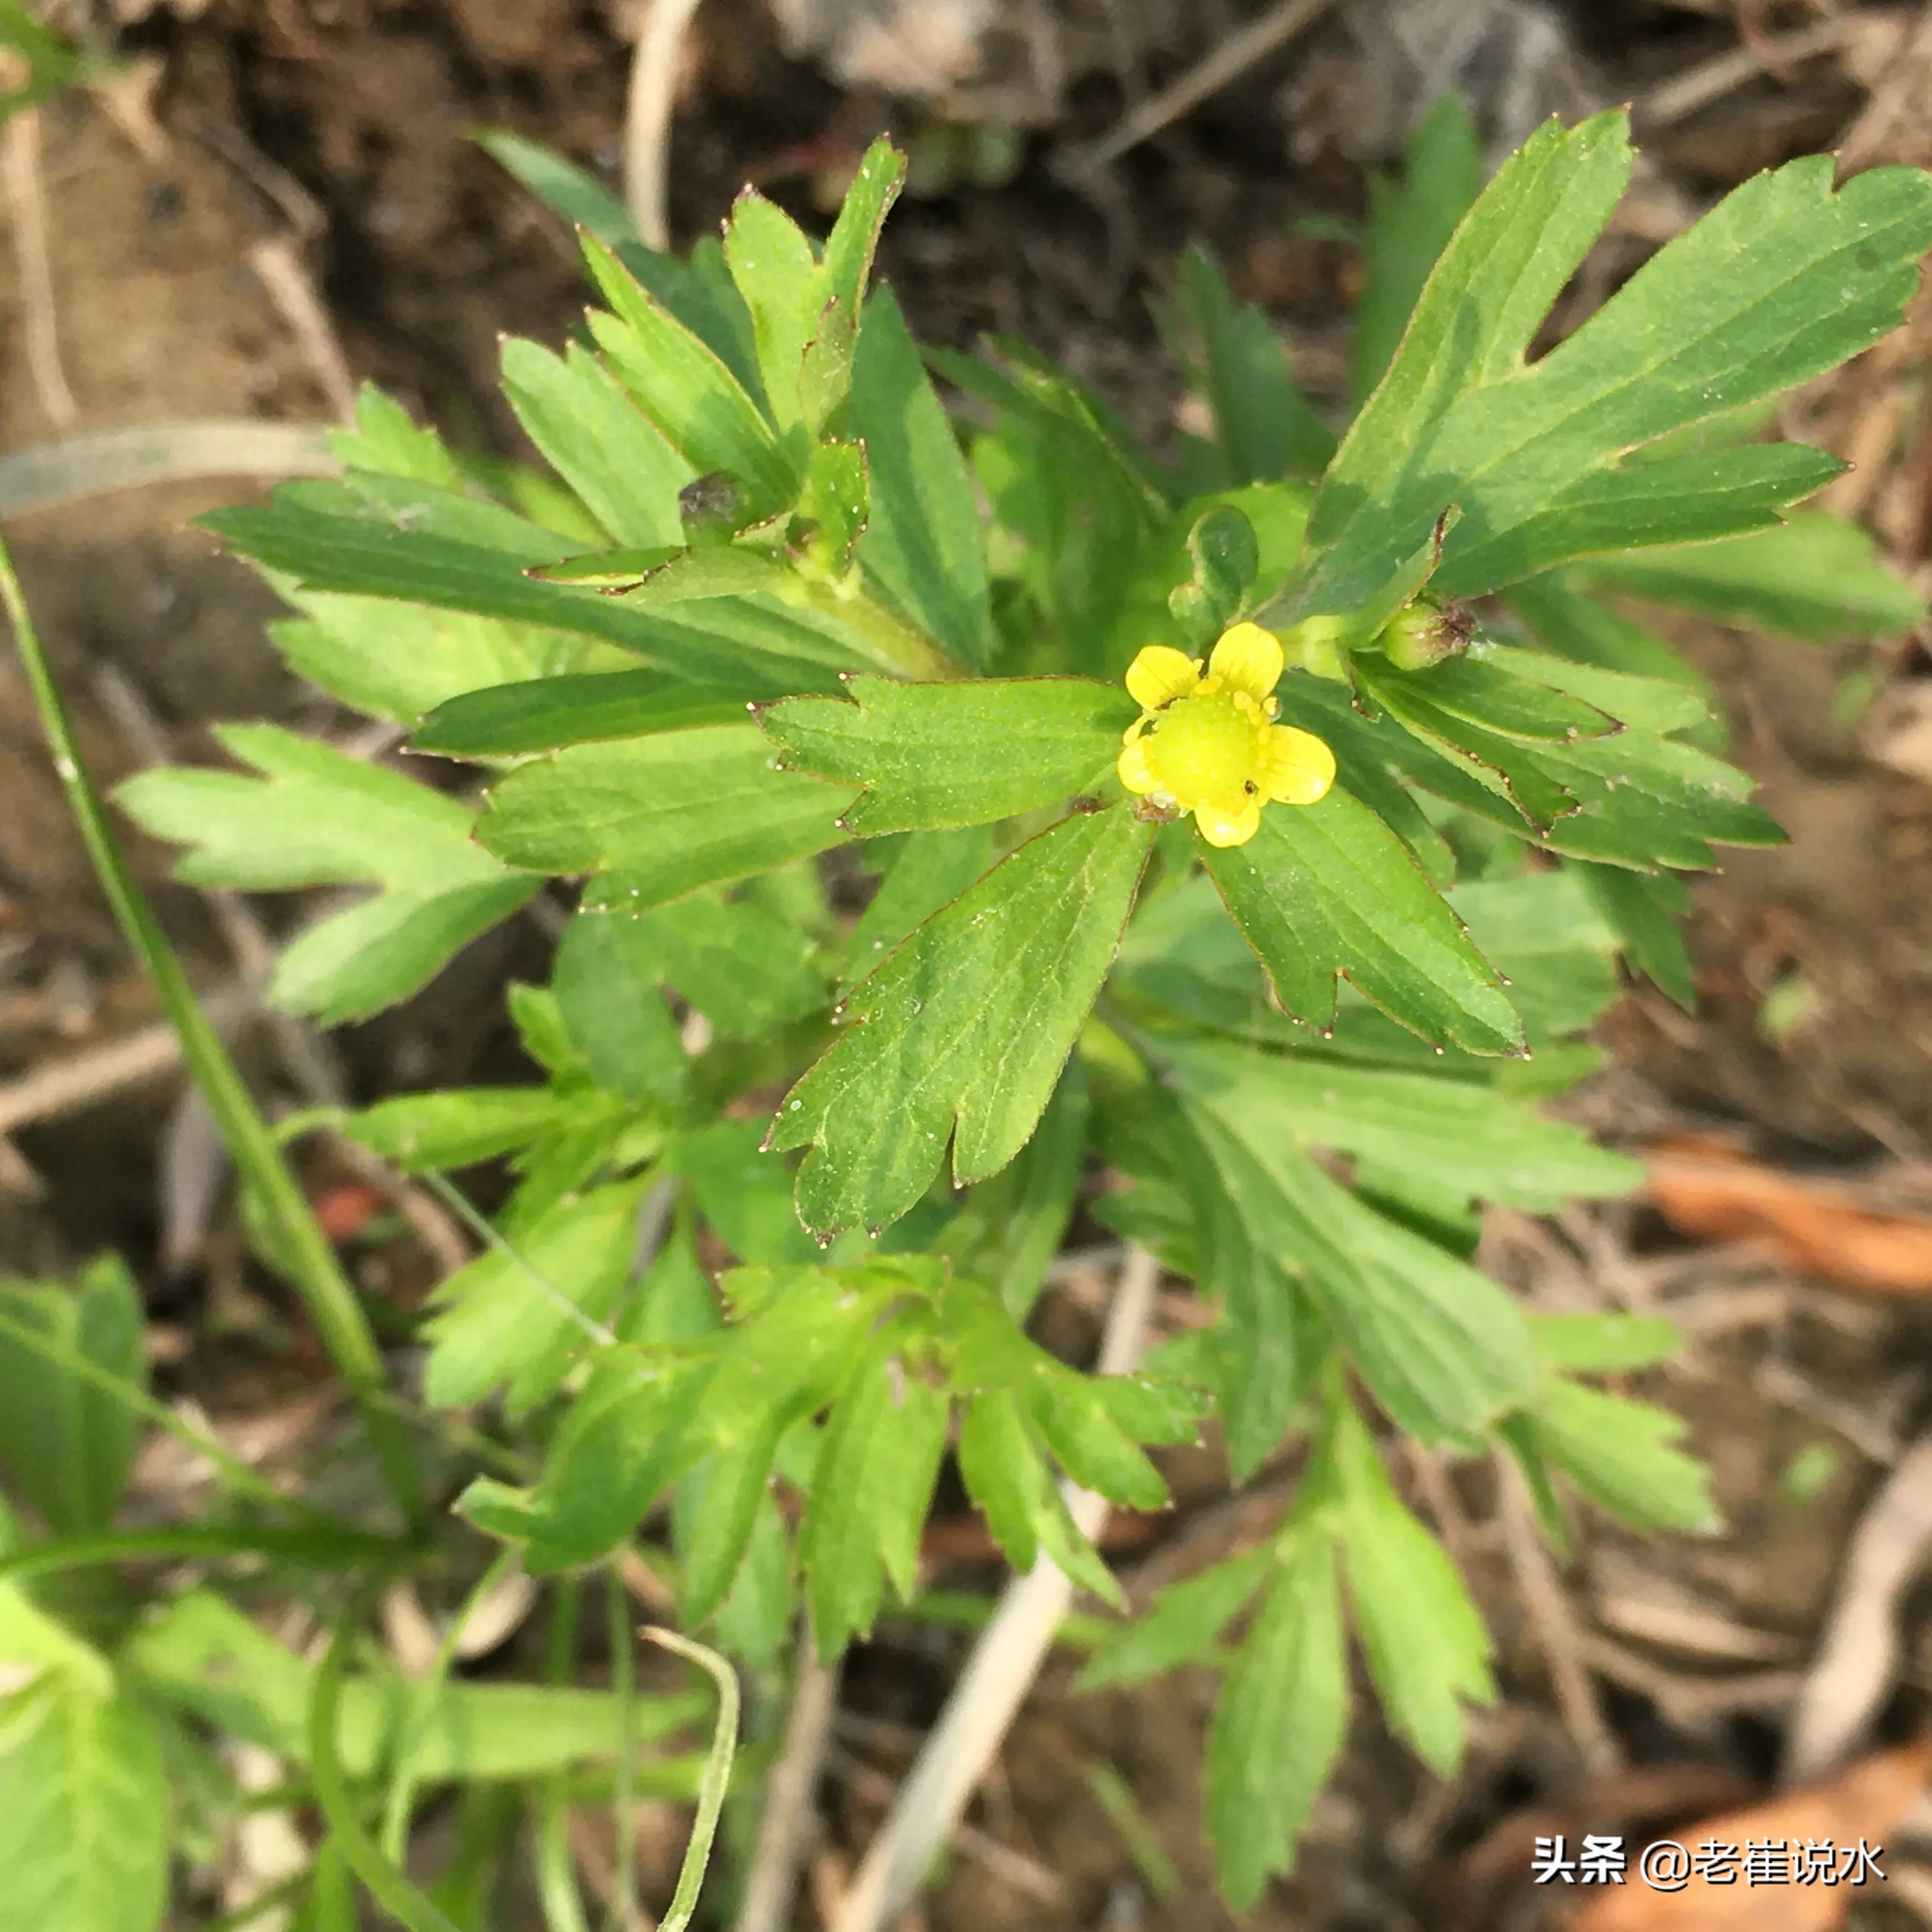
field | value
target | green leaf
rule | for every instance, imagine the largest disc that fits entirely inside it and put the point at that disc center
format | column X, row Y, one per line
column 331, row 543
column 1072, row 1413
column 315, row 816
column 35, row 1646
column 44, row 62
column 1441, row 1348
column 204, row 1656
column 1264, row 425
column 425, row 1133
column 606, row 978
column 1002, row 1470
column 1226, row 554
column 398, row 660
column 743, row 1193
column 826, row 380
column 718, row 1507
column 1637, row 799
column 923, row 546
column 1409, row 226
column 631, row 1432
column 1602, row 1345
column 626, row 475
column 930, row 870
column 384, row 442
column 1327, row 890
column 1499, row 691
column 495, row 1325
column 674, row 811
column 546, row 714
column 961, row 1034
column 1182, row 1625
column 1279, row 1723
column 1784, row 279
column 1543, row 931
column 578, row 195
column 1813, row 577
column 934, row 756
column 742, row 965
column 777, row 273
column 83, row 1812
column 1621, row 1455
column 1581, row 627
column 854, row 239
column 1270, row 1342
column 1471, row 1142
column 836, row 504
column 1645, row 910
column 688, row 391
column 1011, row 1225
column 870, row 1491
column 647, row 1418
column 753, row 1623
column 1427, row 1647
column 67, row 1444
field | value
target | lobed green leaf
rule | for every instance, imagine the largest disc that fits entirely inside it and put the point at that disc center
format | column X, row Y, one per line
column 961, row 1035
column 939, row 757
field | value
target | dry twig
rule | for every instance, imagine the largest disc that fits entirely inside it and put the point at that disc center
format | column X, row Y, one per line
column 27, row 201
column 1858, row 1654
column 647, row 115
column 278, row 269
column 1906, row 80
column 1555, row 1630
column 1227, row 63
column 784, row 1829
column 80, row 1080
column 1694, row 88
column 1005, row 1661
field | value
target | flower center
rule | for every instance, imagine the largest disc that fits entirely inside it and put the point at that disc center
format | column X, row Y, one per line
column 1207, row 745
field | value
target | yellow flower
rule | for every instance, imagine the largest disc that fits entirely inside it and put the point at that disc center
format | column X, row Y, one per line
column 1206, row 741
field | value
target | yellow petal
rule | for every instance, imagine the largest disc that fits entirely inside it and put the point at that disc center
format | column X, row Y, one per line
column 1232, row 820
column 1296, row 768
column 1136, row 768
column 1160, row 673
column 1248, row 659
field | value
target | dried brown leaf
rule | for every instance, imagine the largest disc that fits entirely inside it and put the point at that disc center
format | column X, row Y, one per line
column 1821, row 1231
column 1865, row 1801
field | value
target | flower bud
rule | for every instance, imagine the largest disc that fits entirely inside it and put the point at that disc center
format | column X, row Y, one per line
column 1422, row 634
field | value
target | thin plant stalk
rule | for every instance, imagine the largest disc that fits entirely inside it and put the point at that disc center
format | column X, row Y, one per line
column 422, row 1703
column 383, row 1881
column 626, row 1913
column 557, row 1882
column 717, row 1775
column 321, row 1547
column 317, row 1274
column 236, row 1474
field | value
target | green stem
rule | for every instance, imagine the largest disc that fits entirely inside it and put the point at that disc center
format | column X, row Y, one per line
column 383, row 1881
column 557, row 1882
column 329, row 1546
column 717, row 1776
column 626, row 1913
column 261, row 1905
column 422, row 1704
column 325, row 1289
column 239, row 1477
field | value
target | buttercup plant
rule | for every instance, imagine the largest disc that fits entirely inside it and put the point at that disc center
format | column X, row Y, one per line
column 1262, row 827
